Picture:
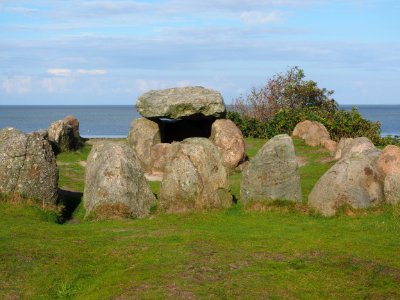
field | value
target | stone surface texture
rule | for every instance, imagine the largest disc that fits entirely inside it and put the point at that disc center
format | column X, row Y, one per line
column 353, row 180
column 195, row 178
column 143, row 135
column 178, row 103
column 160, row 155
column 313, row 133
column 229, row 141
column 272, row 173
column 343, row 143
column 354, row 146
column 27, row 166
column 115, row 186
column 331, row 146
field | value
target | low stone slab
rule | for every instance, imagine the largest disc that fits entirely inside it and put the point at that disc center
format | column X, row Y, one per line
column 179, row 103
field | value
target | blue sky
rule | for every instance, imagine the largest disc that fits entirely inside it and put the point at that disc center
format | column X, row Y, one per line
column 110, row 52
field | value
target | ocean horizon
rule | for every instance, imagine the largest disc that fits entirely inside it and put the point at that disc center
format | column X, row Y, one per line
column 113, row 121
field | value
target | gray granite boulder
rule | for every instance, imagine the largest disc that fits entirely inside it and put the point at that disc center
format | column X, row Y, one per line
column 27, row 166
column 229, row 141
column 115, row 186
column 179, row 103
column 143, row 135
column 195, row 178
column 272, row 173
column 353, row 180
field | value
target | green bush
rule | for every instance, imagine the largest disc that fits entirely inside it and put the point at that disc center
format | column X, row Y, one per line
column 339, row 123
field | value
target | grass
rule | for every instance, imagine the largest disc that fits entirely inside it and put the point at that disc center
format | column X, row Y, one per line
column 236, row 253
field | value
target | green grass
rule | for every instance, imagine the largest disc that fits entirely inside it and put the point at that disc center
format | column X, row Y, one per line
column 236, row 253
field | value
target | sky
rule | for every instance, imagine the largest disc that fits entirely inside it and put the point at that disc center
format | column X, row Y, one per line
column 110, row 52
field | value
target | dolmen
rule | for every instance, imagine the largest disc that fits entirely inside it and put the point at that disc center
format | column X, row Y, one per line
column 173, row 115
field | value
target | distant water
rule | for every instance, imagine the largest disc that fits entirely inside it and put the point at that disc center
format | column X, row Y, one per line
column 95, row 121
column 114, row 121
column 387, row 115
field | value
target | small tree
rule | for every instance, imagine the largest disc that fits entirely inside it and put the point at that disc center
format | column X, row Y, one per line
column 284, row 91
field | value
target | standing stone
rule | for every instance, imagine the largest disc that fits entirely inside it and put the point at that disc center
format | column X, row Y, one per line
column 353, row 181
column 143, row 135
column 27, row 166
column 115, row 185
column 229, row 141
column 61, row 136
column 354, row 146
column 177, row 103
column 195, row 178
column 389, row 170
column 313, row 133
column 272, row 173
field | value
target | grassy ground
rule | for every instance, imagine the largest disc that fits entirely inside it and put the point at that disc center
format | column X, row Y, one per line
column 283, row 251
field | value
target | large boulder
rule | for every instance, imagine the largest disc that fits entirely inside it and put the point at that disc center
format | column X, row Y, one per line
column 229, row 140
column 27, row 166
column 389, row 171
column 348, row 147
column 195, row 178
column 178, row 103
column 143, row 135
column 115, row 185
column 61, row 136
column 272, row 173
column 353, row 180
column 312, row 132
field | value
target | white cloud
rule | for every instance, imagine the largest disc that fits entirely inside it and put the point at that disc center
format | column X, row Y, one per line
column 59, row 72
column 91, row 72
column 17, row 84
column 257, row 17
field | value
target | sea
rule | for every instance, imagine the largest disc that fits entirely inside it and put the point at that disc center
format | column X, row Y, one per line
column 114, row 121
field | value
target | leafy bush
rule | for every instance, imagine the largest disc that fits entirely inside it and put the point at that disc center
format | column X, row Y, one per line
column 339, row 123
column 284, row 91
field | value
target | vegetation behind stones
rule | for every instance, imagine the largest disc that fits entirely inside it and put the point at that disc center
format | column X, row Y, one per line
column 288, row 99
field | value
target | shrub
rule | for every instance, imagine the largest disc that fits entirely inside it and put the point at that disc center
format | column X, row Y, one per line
column 339, row 123
column 284, row 91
